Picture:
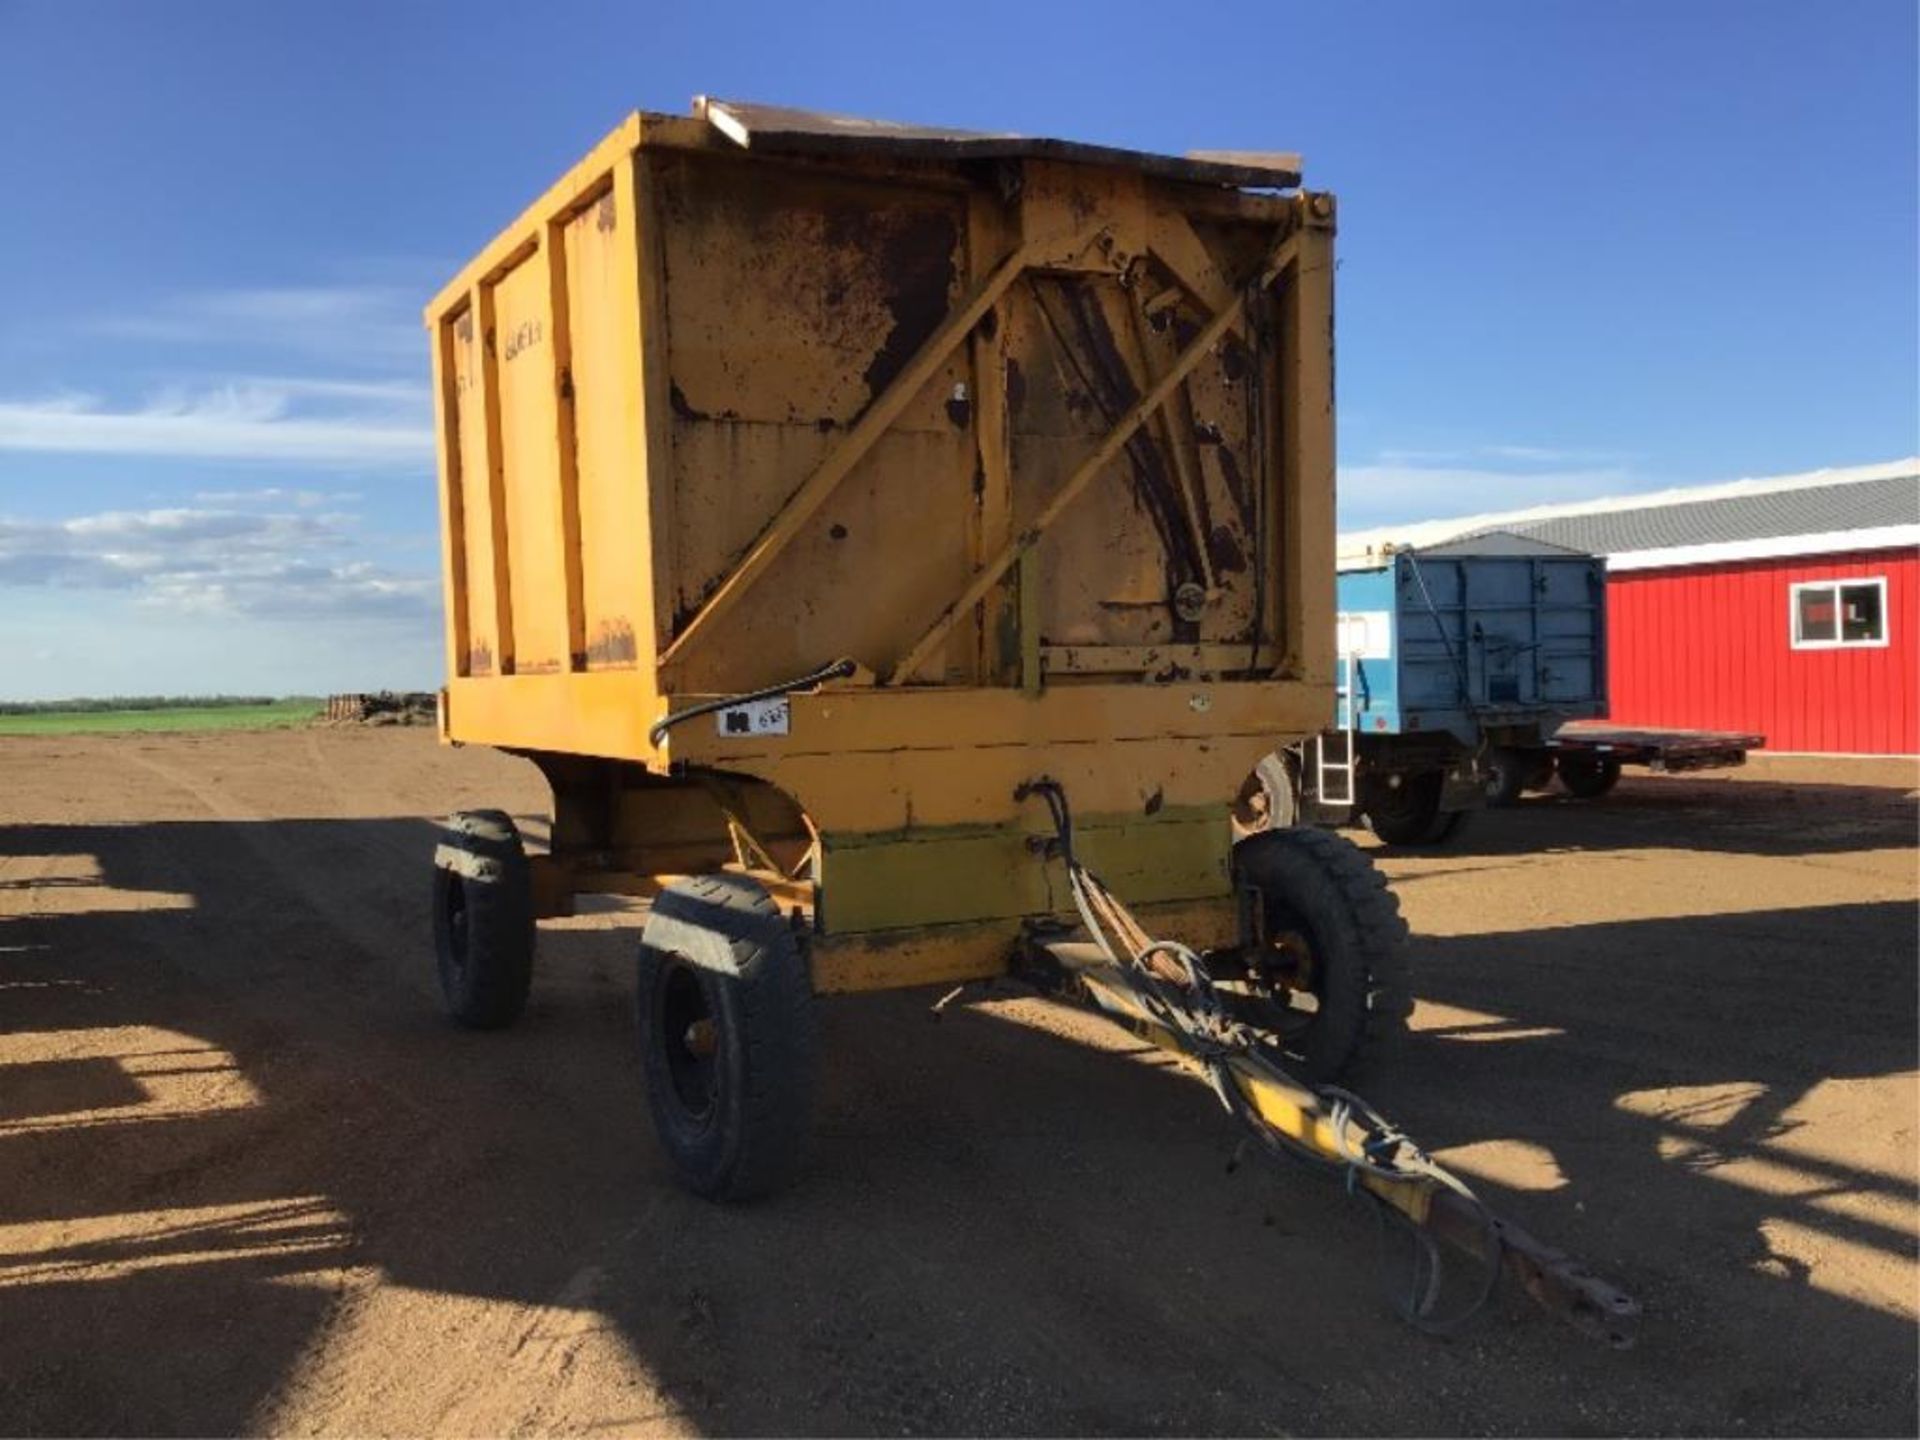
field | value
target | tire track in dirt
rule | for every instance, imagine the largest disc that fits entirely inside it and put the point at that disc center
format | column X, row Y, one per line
column 318, row 890
column 502, row 1365
column 518, row 1368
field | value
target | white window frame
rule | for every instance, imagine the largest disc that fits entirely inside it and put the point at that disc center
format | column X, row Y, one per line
column 1836, row 585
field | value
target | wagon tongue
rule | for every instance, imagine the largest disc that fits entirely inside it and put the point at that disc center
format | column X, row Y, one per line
column 1162, row 992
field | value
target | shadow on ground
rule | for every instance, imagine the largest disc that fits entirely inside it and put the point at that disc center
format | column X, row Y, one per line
column 1745, row 817
column 240, row 1095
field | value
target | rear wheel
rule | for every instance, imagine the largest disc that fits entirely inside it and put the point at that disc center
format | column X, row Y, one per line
column 1447, row 826
column 725, row 1019
column 483, row 919
column 1588, row 777
column 1404, row 810
column 1330, row 977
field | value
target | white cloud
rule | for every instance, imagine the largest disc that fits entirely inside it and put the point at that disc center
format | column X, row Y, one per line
column 1499, row 456
column 1397, row 488
column 1544, row 455
column 259, row 420
column 360, row 323
column 405, row 395
column 277, row 565
column 232, row 584
column 252, row 393
column 275, row 495
column 66, row 642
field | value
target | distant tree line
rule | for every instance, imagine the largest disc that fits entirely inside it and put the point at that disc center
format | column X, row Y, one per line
column 100, row 704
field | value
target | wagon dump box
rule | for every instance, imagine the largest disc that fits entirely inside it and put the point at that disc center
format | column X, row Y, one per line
column 1037, row 436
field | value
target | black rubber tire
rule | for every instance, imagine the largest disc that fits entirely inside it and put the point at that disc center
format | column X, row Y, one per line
column 1408, row 814
column 1587, row 777
column 1508, row 772
column 717, row 950
column 483, row 920
column 1268, row 799
column 1325, row 887
column 1540, row 776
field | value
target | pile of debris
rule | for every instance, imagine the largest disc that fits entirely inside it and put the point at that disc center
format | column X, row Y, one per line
column 387, row 707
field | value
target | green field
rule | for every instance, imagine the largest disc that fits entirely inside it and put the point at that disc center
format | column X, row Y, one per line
column 271, row 716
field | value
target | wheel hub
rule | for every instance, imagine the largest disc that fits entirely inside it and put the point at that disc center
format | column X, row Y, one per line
column 457, row 924
column 690, row 1040
column 702, row 1039
column 1288, row 962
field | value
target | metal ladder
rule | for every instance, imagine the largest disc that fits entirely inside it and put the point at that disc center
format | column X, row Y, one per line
column 1333, row 773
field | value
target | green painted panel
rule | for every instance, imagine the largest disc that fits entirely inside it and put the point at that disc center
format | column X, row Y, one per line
column 911, row 878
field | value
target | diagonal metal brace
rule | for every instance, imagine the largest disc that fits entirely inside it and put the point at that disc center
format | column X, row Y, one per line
column 995, row 568
column 871, row 425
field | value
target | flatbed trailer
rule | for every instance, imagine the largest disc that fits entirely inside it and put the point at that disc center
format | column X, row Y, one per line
column 1593, row 752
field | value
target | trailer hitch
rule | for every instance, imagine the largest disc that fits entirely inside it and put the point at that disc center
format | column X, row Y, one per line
column 1161, row 991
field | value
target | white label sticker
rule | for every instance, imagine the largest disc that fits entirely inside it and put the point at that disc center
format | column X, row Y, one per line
column 1367, row 634
column 756, row 717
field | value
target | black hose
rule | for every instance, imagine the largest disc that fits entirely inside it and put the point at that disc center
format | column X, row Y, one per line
column 1055, row 795
column 1384, row 1150
column 838, row 670
column 1255, row 400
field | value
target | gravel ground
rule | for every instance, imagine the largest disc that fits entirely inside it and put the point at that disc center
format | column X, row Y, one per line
column 250, row 1180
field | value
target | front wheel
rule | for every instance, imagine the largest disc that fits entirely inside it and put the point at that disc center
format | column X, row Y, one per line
column 1588, row 777
column 725, row 1019
column 1507, row 773
column 1330, row 976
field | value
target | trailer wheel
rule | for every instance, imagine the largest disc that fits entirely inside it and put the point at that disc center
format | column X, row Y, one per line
column 483, row 919
column 1508, row 772
column 725, row 1013
column 1332, row 977
column 1409, row 814
column 1588, row 777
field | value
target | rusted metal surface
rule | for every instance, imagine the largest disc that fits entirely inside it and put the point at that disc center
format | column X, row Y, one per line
column 1124, row 433
column 780, row 130
column 1557, row 1282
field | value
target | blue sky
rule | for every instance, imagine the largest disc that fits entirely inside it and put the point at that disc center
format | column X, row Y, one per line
column 1585, row 248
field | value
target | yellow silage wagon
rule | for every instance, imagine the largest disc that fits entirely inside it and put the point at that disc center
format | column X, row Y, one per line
column 828, row 506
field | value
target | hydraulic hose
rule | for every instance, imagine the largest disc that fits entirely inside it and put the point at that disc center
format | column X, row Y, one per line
column 838, row 670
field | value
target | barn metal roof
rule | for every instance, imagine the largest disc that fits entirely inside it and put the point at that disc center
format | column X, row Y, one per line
column 1818, row 509
column 1871, row 506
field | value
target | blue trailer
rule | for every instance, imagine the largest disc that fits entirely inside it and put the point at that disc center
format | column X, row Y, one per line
column 1456, row 665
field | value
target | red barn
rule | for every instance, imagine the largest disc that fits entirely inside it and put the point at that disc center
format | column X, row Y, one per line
column 1789, row 607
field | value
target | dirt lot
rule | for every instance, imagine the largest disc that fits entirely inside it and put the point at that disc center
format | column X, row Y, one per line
column 249, row 1179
